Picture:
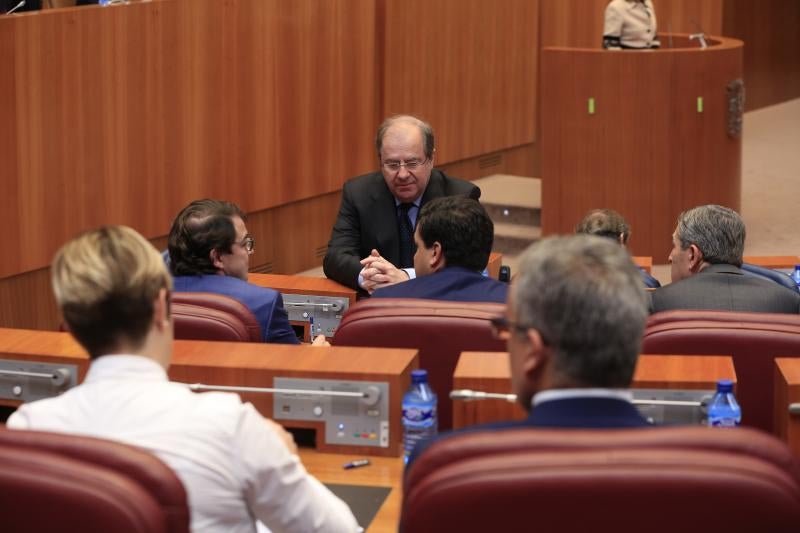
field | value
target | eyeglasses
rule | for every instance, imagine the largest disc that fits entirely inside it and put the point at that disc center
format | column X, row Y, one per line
column 411, row 164
column 248, row 243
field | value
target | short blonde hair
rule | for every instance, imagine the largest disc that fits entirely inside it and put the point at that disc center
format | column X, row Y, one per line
column 105, row 282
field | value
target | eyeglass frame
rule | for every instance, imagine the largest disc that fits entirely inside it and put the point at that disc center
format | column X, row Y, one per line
column 248, row 243
column 501, row 326
column 415, row 164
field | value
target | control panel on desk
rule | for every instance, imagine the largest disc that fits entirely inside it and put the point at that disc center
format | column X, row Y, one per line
column 356, row 413
column 324, row 312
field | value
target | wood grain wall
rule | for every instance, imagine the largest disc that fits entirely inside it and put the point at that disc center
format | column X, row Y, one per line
column 125, row 114
column 769, row 29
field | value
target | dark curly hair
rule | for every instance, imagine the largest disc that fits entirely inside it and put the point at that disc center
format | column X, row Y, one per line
column 201, row 226
column 462, row 227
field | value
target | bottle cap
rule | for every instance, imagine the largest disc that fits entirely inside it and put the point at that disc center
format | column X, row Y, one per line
column 419, row 376
column 724, row 385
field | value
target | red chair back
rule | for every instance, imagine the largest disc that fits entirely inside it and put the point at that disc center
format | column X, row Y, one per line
column 213, row 317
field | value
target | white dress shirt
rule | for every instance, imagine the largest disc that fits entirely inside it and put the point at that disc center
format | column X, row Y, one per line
column 630, row 24
column 234, row 467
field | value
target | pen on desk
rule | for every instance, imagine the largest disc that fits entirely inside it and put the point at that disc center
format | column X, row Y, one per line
column 355, row 464
column 311, row 328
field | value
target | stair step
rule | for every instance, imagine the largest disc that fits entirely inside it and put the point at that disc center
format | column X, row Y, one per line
column 517, row 231
column 510, row 191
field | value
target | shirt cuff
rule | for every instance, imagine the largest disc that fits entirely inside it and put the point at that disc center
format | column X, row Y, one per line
column 411, row 272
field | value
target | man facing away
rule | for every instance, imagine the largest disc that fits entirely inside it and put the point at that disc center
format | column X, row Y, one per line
column 209, row 249
column 237, row 467
column 706, row 256
column 574, row 323
column 378, row 210
column 454, row 238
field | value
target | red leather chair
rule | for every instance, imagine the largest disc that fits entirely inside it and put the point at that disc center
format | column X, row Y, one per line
column 752, row 339
column 687, row 479
column 440, row 330
column 213, row 317
column 69, row 483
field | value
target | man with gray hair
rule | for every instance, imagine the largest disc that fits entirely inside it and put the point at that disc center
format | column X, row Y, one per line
column 706, row 256
column 573, row 325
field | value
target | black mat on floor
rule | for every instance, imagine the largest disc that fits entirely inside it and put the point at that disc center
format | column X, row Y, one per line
column 364, row 501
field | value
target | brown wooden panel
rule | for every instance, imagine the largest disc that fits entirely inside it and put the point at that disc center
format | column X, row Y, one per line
column 646, row 151
column 579, row 23
column 769, row 29
column 125, row 114
column 519, row 161
column 466, row 66
column 787, row 391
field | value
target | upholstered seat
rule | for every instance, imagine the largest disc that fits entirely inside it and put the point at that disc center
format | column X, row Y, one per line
column 780, row 278
column 440, row 330
column 213, row 317
column 687, row 479
column 753, row 340
column 69, row 483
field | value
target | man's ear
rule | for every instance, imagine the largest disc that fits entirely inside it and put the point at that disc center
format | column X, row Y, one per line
column 535, row 357
column 695, row 257
column 161, row 311
column 216, row 259
column 437, row 257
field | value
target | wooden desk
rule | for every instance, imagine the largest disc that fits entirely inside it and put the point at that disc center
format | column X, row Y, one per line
column 495, row 262
column 773, row 261
column 382, row 472
column 644, row 262
column 787, row 391
column 247, row 365
column 490, row 372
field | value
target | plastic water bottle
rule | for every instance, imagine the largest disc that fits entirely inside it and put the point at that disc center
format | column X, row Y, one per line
column 419, row 412
column 796, row 276
column 724, row 411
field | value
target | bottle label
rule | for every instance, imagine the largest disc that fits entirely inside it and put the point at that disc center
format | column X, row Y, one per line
column 724, row 422
column 418, row 416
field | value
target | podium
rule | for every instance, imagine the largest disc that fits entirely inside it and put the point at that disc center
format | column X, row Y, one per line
column 648, row 133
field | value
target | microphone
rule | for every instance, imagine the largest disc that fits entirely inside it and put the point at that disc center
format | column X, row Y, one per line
column 700, row 35
column 369, row 396
column 471, row 395
column 21, row 4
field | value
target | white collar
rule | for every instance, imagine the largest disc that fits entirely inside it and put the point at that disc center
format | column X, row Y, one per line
column 122, row 366
column 563, row 394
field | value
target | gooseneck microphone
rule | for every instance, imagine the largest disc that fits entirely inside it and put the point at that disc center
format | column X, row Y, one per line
column 21, row 4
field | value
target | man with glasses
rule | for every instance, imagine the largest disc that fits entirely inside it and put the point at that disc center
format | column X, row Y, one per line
column 210, row 249
column 573, row 325
column 372, row 241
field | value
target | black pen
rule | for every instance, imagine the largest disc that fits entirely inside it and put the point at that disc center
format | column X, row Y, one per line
column 355, row 464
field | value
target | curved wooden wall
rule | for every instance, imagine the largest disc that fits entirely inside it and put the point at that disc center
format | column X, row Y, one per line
column 646, row 151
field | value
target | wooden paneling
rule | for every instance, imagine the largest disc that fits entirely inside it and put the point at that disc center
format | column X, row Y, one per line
column 579, row 23
column 287, row 241
column 769, row 29
column 124, row 114
column 467, row 67
column 519, row 161
column 646, row 151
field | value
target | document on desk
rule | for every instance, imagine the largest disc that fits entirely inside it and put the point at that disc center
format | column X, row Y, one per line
column 364, row 501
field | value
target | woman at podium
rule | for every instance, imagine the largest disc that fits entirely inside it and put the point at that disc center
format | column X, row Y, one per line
column 630, row 25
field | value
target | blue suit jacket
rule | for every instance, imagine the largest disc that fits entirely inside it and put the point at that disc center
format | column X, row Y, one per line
column 452, row 283
column 266, row 304
column 576, row 413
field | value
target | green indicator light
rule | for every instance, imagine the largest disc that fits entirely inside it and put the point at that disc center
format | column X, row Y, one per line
column 699, row 104
column 591, row 105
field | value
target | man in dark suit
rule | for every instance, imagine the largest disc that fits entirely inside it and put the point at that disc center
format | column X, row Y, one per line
column 574, row 323
column 706, row 257
column 454, row 238
column 378, row 210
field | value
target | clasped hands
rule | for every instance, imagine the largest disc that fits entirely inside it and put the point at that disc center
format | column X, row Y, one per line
column 378, row 273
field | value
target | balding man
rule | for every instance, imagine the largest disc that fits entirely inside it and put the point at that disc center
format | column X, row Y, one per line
column 706, row 257
column 379, row 210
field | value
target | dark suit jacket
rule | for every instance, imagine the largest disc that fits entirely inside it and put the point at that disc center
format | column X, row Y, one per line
column 576, row 413
column 368, row 219
column 266, row 304
column 726, row 288
column 455, row 284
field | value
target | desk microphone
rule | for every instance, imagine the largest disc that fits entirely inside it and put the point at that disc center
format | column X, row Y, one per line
column 700, row 35
column 21, row 4
column 369, row 396
column 471, row 395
